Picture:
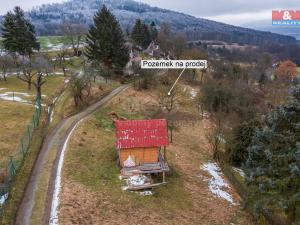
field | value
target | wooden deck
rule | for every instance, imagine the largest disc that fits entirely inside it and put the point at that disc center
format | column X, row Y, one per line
column 147, row 168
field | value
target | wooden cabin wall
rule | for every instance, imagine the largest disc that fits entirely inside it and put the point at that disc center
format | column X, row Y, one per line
column 141, row 155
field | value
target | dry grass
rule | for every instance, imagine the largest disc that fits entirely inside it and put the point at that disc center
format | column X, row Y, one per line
column 18, row 115
column 18, row 185
column 64, row 107
column 92, row 192
column 52, row 84
column 14, row 117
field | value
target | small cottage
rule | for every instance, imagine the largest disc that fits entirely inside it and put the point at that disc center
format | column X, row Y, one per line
column 141, row 146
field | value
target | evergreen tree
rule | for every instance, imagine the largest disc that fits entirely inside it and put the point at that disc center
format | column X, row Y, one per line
column 273, row 164
column 18, row 33
column 153, row 31
column 146, row 36
column 106, row 43
column 136, row 34
column 141, row 34
column 238, row 142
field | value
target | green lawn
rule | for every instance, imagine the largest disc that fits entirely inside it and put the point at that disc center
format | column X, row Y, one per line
column 49, row 42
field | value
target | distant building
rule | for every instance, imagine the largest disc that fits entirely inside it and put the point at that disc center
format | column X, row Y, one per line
column 153, row 50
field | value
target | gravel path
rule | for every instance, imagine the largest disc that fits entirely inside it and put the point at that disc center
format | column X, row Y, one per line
column 53, row 138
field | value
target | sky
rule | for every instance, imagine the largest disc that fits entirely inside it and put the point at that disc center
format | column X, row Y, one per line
column 236, row 12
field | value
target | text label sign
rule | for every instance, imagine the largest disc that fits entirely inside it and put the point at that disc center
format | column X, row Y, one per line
column 174, row 64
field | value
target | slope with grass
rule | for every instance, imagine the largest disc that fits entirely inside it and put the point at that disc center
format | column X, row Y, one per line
column 14, row 117
column 37, row 197
column 16, row 110
column 92, row 192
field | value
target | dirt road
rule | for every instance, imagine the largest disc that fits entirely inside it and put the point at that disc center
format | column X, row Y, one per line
column 54, row 140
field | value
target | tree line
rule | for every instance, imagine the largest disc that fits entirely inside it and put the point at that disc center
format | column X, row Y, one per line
column 255, row 109
column 105, row 50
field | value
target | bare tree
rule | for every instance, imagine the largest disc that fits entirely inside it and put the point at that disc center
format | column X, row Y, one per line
column 75, row 33
column 179, row 45
column 90, row 69
column 195, row 54
column 39, row 67
column 6, row 63
column 80, row 87
column 61, row 59
column 42, row 68
column 25, row 72
column 168, row 103
column 49, row 67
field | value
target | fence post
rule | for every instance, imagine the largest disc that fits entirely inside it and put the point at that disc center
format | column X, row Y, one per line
column 33, row 120
column 13, row 163
column 11, row 168
column 22, row 147
column 37, row 116
column 29, row 137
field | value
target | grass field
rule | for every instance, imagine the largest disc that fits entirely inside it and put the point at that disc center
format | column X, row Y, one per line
column 18, row 88
column 16, row 117
column 64, row 107
column 50, row 42
column 92, row 191
column 16, row 114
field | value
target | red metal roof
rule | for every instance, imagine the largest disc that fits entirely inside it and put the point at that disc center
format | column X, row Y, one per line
column 141, row 133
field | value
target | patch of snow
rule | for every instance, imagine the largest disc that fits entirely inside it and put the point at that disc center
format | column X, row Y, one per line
column 13, row 73
column 54, row 100
column 136, row 180
column 217, row 184
column 193, row 93
column 146, row 193
column 221, row 139
column 50, row 111
column 13, row 98
column 49, row 44
column 240, row 171
column 57, row 187
column 206, row 115
column 51, row 115
column 17, row 93
column 3, row 198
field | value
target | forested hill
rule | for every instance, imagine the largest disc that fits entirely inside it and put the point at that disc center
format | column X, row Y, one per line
column 48, row 17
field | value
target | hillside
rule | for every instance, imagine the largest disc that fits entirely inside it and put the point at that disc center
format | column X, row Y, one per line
column 47, row 18
column 265, row 25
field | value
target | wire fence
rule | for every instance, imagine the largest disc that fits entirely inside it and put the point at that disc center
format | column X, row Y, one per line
column 15, row 161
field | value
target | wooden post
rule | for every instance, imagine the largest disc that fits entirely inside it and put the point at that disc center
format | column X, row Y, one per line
column 164, row 177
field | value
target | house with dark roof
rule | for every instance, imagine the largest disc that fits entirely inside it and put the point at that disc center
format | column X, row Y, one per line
column 141, row 146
